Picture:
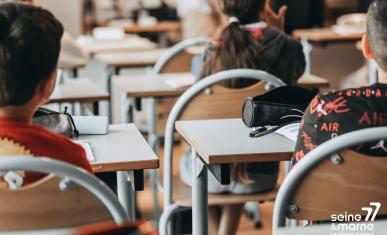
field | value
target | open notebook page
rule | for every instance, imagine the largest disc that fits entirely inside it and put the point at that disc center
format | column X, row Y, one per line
column 290, row 131
column 86, row 146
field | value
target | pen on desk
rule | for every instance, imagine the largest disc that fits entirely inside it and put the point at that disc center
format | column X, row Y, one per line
column 261, row 131
column 267, row 131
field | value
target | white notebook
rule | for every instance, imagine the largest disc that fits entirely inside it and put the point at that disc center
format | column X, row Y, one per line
column 180, row 82
column 92, row 125
column 86, row 146
column 290, row 131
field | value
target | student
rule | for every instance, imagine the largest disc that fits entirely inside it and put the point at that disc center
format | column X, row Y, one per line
column 247, row 42
column 199, row 18
column 29, row 49
column 335, row 113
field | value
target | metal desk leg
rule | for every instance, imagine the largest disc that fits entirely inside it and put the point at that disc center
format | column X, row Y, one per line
column 199, row 198
column 126, row 115
column 307, row 49
column 96, row 108
column 153, row 141
column 126, row 194
column 75, row 72
column 151, row 122
column 163, row 40
column 373, row 72
column 110, row 72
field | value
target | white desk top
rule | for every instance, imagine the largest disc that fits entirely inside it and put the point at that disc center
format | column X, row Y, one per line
column 325, row 35
column 130, row 59
column 156, row 86
column 59, row 231
column 225, row 141
column 149, row 85
column 312, row 81
column 159, row 27
column 129, row 43
column 78, row 90
column 124, row 148
column 380, row 227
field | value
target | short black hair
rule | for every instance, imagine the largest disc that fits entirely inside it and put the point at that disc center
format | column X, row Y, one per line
column 29, row 49
column 377, row 31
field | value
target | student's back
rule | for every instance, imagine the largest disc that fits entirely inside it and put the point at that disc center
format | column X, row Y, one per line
column 29, row 50
column 18, row 138
column 337, row 112
column 247, row 42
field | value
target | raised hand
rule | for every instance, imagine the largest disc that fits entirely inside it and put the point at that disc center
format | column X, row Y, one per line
column 277, row 21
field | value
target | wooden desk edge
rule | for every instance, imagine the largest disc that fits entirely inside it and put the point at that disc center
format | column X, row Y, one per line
column 231, row 158
column 192, row 143
column 148, row 94
column 78, row 99
column 125, row 166
column 300, row 33
column 246, row 158
column 127, row 65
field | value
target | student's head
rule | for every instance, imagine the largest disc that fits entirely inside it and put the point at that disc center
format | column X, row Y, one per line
column 247, row 11
column 237, row 48
column 29, row 49
column 375, row 41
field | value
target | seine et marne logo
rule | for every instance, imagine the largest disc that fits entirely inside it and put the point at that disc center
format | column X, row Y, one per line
column 349, row 224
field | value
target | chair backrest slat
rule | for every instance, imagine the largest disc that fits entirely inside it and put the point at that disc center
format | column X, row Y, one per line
column 332, row 179
column 196, row 91
column 68, row 196
column 179, row 63
column 43, row 205
column 337, row 188
column 220, row 102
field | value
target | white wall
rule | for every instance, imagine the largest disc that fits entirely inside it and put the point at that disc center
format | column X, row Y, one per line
column 69, row 12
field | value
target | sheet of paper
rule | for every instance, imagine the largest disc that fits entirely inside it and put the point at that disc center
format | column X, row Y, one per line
column 180, row 82
column 92, row 125
column 86, row 146
column 290, row 131
column 108, row 33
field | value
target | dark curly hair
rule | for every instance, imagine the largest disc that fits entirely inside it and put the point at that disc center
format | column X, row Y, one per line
column 29, row 49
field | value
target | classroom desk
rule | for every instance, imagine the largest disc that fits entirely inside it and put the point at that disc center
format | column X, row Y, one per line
column 325, row 35
column 372, row 66
column 59, row 231
column 133, row 59
column 161, row 27
column 79, row 90
column 321, row 36
column 114, row 62
column 129, row 43
column 220, row 143
column 144, row 86
column 72, row 67
column 311, row 81
column 155, row 86
column 123, row 149
column 380, row 227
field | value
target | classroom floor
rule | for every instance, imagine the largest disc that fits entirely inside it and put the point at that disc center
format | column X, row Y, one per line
column 246, row 226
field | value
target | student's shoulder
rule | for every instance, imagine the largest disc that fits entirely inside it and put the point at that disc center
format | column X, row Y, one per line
column 54, row 140
column 271, row 34
column 360, row 93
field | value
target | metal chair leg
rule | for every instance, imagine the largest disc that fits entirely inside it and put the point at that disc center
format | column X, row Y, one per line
column 252, row 209
column 166, row 217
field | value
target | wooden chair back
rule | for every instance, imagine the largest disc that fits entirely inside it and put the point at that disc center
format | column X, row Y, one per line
column 220, row 102
column 338, row 188
column 42, row 205
column 180, row 63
